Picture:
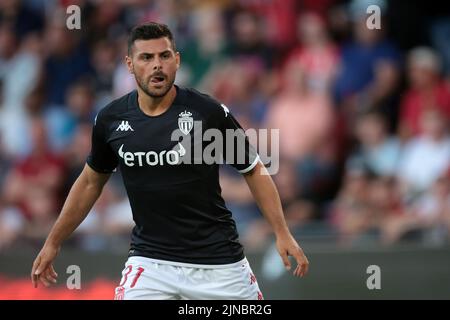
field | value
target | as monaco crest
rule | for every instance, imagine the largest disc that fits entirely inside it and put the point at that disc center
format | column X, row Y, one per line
column 185, row 122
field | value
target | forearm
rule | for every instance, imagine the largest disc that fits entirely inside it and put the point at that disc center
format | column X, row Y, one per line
column 266, row 196
column 82, row 196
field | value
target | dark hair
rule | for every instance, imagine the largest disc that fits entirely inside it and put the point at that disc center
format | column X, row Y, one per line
column 150, row 30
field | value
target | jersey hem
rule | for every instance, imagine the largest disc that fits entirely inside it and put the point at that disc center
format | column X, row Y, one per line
column 189, row 265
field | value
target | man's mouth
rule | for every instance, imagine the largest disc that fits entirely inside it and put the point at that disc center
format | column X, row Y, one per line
column 157, row 79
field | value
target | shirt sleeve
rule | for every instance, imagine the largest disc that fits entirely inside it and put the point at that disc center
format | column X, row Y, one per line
column 237, row 149
column 101, row 158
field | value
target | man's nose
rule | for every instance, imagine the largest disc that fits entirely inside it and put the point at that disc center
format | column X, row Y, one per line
column 158, row 64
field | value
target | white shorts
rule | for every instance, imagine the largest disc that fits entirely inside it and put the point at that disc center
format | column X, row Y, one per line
column 152, row 279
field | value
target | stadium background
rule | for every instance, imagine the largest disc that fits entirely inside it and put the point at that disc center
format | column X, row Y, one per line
column 363, row 114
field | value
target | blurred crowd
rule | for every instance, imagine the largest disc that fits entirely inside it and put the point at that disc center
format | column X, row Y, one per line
column 363, row 114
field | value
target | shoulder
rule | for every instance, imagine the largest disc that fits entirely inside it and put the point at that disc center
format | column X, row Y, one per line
column 204, row 103
column 115, row 108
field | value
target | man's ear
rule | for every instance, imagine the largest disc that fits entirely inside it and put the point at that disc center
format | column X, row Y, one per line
column 129, row 64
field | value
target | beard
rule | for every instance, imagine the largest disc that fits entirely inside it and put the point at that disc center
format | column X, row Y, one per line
column 152, row 92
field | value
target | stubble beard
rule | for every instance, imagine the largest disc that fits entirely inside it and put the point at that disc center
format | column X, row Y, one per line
column 153, row 93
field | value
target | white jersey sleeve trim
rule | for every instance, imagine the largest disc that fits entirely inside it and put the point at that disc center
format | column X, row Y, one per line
column 251, row 166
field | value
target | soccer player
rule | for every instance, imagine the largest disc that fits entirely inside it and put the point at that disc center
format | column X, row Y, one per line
column 185, row 244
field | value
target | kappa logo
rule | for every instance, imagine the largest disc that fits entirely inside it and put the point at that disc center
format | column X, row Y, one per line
column 120, row 293
column 225, row 109
column 185, row 122
column 124, row 126
column 252, row 278
column 260, row 296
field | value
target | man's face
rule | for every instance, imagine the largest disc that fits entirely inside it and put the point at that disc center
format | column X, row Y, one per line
column 154, row 65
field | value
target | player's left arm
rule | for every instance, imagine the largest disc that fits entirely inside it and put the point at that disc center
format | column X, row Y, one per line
column 266, row 196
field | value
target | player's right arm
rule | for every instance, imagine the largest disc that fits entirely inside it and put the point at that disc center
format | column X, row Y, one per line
column 84, row 193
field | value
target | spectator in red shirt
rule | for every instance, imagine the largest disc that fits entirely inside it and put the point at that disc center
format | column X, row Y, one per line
column 35, row 183
column 316, row 53
column 427, row 91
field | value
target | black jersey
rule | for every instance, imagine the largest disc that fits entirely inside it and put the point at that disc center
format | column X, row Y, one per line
column 177, row 205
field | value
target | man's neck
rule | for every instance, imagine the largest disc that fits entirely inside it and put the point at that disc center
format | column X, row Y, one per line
column 154, row 106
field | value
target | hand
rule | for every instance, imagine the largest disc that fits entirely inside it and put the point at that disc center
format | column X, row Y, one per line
column 287, row 246
column 43, row 267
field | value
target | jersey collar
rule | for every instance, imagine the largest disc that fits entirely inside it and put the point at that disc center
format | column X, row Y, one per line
column 179, row 98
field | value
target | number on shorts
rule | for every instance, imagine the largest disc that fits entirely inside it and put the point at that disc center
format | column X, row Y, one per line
column 136, row 277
